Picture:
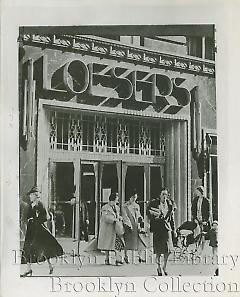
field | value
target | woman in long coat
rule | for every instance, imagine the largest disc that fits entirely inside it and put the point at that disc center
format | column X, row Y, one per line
column 108, row 240
column 39, row 243
column 133, row 221
column 162, row 225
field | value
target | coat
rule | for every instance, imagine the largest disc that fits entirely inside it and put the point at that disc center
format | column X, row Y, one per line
column 204, row 209
column 162, row 228
column 39, row 243
column 107, row 234
column 131, row 216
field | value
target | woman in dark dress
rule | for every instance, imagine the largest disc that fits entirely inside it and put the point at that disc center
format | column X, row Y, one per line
column 39, row 243
column 162, row 225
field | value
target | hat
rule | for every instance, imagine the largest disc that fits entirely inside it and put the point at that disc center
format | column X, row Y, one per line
column 200, row 189
column 33, row 190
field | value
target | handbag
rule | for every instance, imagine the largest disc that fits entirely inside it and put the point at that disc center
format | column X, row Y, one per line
column 119, row 229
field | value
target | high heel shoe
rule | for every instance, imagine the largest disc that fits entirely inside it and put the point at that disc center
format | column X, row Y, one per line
column 165, row 272
column 107, row 262
column 29, row 272
column 126, row 260
column 51, row 270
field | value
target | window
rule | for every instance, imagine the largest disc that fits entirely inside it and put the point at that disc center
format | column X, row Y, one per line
column 92, row 133
column 202, row 47
column 195, row 46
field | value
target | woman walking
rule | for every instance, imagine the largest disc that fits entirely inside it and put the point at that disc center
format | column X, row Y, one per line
column 39, row 243
column 133, row 220
column 108, row 239
column 162, row 225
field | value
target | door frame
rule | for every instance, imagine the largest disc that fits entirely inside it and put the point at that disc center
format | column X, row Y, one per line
column 51, row 161
column 96, row 176
column 98, row 163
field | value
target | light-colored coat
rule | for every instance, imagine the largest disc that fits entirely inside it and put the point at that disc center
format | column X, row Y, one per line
column 131, row 214
column 107, row 234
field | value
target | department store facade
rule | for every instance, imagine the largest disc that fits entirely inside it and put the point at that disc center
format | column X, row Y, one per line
column 98, row 116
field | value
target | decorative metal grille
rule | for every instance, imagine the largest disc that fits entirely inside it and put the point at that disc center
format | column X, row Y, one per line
column 100, row 135
column 145, row 140
column 122, row 138
column 75, row 135
column 87, row 132
column 53, row 131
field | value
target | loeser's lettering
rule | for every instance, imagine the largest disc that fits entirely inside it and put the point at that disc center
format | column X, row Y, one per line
column 107, row 81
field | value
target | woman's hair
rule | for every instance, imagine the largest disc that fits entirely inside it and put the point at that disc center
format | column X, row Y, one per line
column 215, row 222
column 164, row 189
column 33, row 190
column 113, row 196
column 200, row 189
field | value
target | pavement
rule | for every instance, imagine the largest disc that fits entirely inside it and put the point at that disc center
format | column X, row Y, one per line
column 74, row 263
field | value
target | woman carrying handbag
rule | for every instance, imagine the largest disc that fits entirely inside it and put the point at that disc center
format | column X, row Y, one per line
column 110, row 237
column 160, row 212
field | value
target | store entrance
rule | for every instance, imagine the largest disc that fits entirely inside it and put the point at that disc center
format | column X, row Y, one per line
column 80, row 188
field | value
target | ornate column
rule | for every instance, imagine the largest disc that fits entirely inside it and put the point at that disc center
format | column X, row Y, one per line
column 178, row 174
column 177, row 166
column 43, row 148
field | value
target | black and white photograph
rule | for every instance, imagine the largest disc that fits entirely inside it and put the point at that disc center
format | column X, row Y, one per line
column 119, row 148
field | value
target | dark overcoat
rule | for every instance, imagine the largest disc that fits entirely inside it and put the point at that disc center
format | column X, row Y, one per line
column 162, row 227
column 39, row 243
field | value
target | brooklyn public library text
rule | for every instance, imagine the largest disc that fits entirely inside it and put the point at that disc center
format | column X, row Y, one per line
column 150, row 284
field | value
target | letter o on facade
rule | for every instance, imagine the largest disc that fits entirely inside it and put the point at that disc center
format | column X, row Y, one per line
column 76, row 76
column 90, row 287
column 148, row 285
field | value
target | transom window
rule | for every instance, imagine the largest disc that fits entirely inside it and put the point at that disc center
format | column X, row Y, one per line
column 106, row 134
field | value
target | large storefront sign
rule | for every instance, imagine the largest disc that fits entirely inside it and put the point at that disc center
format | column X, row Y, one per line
column 112, row 84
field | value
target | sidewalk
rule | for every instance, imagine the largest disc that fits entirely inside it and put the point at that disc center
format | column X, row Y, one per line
column 93, row 265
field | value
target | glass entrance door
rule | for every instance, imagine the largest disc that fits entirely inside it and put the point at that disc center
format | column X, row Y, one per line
column 110, row 181
column 88, row 200
column 135, row 180
column 156, row 180
column 62, row 199
column 146, row 179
